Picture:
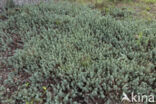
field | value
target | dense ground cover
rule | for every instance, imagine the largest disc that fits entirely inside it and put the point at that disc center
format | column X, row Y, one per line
column 71, row 54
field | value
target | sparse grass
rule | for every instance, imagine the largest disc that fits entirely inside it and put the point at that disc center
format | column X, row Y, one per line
column 150, row 1
column 139, row 7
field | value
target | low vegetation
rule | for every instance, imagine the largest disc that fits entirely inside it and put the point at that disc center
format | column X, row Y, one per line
column 64, row 53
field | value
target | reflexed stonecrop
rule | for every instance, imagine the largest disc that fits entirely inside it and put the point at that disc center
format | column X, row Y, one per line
column 71, row 54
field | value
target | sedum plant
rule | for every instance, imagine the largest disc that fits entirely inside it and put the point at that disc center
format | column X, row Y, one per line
column 63, row 53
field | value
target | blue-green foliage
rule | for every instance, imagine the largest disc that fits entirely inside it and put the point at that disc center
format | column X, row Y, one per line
column 78, row 55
